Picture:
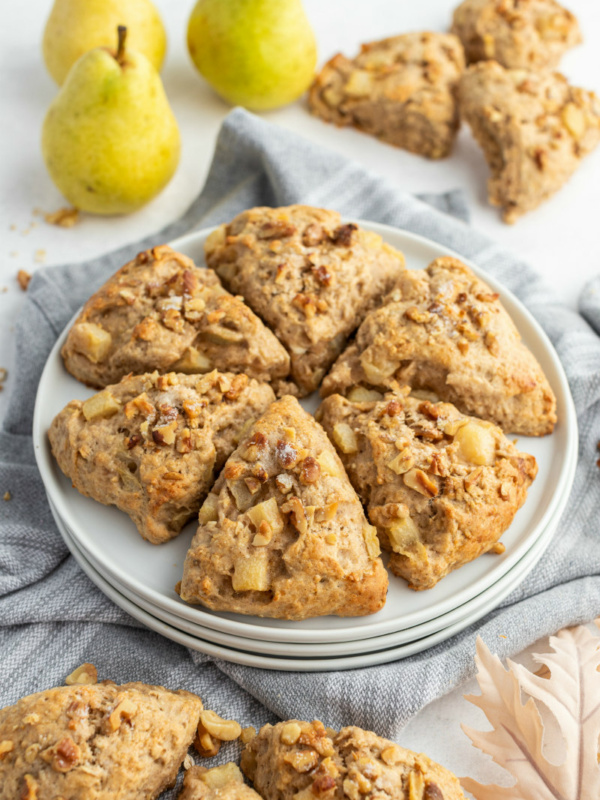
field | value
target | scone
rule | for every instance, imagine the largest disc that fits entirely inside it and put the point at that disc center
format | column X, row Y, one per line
column 534, row 130
column 283, row 534
column 519, row 34
column 444, row 330
column 440, row 487
column 160, row 311
column 401, row 90
column 152, row 444
column 102, row 742
column 218, row 783
column 298, row 760
column 308, row 276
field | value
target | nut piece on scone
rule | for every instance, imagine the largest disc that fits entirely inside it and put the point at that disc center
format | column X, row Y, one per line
column 160, row 311
column 443, row 330
column 152, row 444
column 303, row 760
column 219, row 783
column 534, row 130
column 519, row 34
column 401, row 90
column 308, row 276
column 283, row 534
column 440, row 487
column 102, row 742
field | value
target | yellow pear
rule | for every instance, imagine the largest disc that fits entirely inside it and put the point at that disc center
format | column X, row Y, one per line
column 110, row 140
column 256, row 53
column 76, row 26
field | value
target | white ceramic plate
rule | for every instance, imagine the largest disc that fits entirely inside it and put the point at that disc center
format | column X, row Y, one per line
column 483, row 603
column 252, row 659
column 111, row 540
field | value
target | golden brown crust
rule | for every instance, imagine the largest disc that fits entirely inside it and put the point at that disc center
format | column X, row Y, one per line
column 440, row 487
column 152, row 444
column 283, row 533
column 444, row 330
column 308, row 276
column 401, row 90
column 298, row 760
column 162, row 312
column 220, row 783
column 101, row 742
column 519, row 34
column 534, row 129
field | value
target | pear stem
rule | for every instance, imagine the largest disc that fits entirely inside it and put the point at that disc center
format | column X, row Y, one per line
column 122, row 32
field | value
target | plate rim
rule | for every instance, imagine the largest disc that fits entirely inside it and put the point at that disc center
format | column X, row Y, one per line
column 255, row 631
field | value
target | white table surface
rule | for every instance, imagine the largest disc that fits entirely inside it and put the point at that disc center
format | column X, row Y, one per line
column 561, row 239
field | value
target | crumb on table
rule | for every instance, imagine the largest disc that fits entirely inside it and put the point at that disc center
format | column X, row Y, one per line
column 7, row 496
column 23, row 278
column 64, row 217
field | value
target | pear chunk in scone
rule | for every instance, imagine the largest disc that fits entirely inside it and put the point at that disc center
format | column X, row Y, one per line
column 283, row 534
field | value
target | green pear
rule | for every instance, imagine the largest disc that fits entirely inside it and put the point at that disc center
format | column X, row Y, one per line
column 110, row 140
column 76, row 26
column 256, row 53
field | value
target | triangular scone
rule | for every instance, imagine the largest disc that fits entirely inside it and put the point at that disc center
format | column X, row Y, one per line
column 283, row 534
column 152, row 444
column 308, row 276
column 401, row 90
column 445, row 331
column 160, row 311
column 534, row 129
column 219, row 783
column 520, row 35
column 305, row 760
column 440, row 487
column 101, row 741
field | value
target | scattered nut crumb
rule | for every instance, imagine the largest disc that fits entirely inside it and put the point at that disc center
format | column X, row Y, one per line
column 3, row 374
column 502, row 636
column 13, row 227
column 188, row 762
column 7, row 496
column 64, row 217
column 4, row 289
column 40, row 256
column 23, row 279
column 14, row 253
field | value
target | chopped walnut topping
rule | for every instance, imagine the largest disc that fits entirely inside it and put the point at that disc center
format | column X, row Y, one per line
column 286, row 454
column 290, row 733
column 86, row 674
column 6, row 747
column 295, row 509
column 310, row 471
column 343, row 234
column 284, row 483
column 416, row 315
column 322, row 275
column 302, row 760
column 124, row 710
column 419, row 481
column 66, row 755
column 29, row 789
column 313, row 235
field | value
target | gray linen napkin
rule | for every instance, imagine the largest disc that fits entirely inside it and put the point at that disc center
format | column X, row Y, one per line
column 52, row 617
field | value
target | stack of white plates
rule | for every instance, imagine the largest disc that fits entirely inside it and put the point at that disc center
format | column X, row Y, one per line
column 141, row 577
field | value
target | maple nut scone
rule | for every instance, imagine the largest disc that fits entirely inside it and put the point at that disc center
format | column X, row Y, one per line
column 401, row 90
column 440, row 487
column 152, row 444
column 310, row 277
column 95, row 742
column 160, row 311
column 219, row 783
column 298, row 760
column 528, row 34
column 534, row 130
column 283, row 533
column 444, row 330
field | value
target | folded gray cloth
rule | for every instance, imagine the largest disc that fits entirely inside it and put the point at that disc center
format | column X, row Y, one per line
column 53, row 618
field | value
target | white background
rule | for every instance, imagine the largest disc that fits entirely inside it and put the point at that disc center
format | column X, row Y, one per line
column 561, row 239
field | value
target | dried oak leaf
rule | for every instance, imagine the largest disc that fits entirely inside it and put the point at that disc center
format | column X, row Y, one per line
column 571, row 693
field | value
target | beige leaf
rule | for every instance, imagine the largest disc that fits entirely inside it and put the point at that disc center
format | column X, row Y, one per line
column 571, row 692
